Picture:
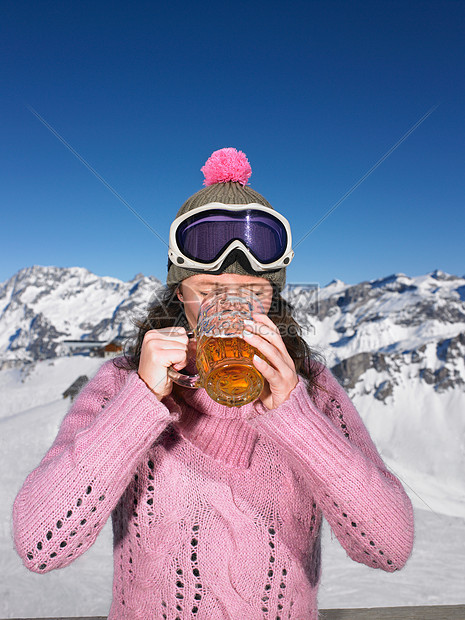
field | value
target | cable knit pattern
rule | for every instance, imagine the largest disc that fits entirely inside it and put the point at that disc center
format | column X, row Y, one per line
column 216, row 511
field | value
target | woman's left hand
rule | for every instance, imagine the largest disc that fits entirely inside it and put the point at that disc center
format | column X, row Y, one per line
column 279, row 371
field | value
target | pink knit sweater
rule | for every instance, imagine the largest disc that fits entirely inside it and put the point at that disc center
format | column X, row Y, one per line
column 216, row 511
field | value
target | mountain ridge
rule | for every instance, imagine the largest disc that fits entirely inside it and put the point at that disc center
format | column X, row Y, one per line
column 41, row 307
column 382, row 326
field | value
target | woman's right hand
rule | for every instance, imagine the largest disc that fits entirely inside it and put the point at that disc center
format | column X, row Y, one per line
column 162, row 348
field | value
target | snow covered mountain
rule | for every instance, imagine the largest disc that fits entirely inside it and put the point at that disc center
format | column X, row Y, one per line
column 41, row 307
column 374, row 335
column 387, row 325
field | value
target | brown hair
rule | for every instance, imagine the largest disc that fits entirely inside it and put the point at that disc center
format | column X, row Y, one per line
column 168, row 311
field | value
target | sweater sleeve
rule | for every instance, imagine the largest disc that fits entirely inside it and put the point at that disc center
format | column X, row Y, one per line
column 365, row 505
column 66, row 500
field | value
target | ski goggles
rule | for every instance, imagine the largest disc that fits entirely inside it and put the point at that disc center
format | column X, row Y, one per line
column 203, row 237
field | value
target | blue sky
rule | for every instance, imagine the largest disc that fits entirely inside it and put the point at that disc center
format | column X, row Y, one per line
column 315, row 93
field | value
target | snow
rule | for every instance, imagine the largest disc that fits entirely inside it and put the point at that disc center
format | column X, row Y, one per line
column 26, row 432
column 421, row 434
column 433, row 575
column 41, row 383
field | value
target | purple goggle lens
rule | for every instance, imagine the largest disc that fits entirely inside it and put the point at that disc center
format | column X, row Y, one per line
column 204, row 236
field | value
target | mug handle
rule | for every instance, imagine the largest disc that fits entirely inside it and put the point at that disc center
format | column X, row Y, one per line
column 189, row 381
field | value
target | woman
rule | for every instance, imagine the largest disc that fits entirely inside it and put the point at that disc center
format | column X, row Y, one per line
column 216, row 511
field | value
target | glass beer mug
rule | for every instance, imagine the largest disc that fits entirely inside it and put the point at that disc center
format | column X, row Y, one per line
column 224, row 358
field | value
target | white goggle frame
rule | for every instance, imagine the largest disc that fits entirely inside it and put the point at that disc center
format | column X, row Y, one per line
column 181, row 260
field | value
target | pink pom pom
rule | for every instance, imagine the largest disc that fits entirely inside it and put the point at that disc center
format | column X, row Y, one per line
column 226, row 165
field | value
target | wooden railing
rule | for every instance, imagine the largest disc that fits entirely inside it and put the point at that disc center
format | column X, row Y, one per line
column 439, row 612
column 431, row 612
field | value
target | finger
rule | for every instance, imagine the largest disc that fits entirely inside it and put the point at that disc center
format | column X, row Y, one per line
column 157, row 335
column 167, row 333
column 179, row 365
column 270, row 373
column 269, row 334
column 264, row 330
column 170, row 357
column 280, row 380
column 159, row 349
column 173, row 328
column 279, row 331
column 276, row 357
column 164, row 345
column 265, row 319
column 168, row 330
column 260, row 339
